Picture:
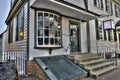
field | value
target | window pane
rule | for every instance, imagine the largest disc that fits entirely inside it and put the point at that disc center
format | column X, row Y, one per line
column 51, row 22
column 40, row 41
column 40, row 32
column 57, row 33
column 46, row 20
column 55, row 22
column 40, row 20
column 52, row 41
column 52, row 33
column 59, row 23
column 46, row 41
column 57, row 41
column 46, row 32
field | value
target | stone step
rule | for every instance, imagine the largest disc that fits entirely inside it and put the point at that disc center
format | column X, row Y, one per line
column 102, row 71
column 99, row 66
column 89, row 59
column 92, row 62
column 81, row 56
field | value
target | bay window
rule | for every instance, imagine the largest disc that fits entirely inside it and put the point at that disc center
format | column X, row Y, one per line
column 48, row 29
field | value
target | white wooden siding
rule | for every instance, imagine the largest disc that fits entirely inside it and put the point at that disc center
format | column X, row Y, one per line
column 19, row 45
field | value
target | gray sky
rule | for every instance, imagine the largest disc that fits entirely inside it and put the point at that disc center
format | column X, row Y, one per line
column 4, row 10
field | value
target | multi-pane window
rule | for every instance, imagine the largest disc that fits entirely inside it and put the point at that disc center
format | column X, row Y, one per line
column 106, row 5
column 10, row 32
column 99, row 30
column 20, row 26
column 116, row 11
column 98, row 3
column 110, row 35
column 100, row 27
column 111, row 8
column 48, row 30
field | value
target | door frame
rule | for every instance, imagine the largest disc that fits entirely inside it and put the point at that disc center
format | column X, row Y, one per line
column 79, row 35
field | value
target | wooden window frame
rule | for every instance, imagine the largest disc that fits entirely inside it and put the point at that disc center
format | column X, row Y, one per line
column 44, row 37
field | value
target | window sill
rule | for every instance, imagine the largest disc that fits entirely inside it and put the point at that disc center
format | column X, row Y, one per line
column 48, row 47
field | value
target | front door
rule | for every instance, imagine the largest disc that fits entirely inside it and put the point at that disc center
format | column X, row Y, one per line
column 74, row 36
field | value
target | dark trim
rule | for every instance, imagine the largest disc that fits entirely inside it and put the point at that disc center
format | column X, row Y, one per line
column 86, row 4
column 61, row 31
column 2, row 33
column 88, row 37
column 35, row 31
column 52, row 11
column 47, row 47
column 27, row 51
column 28, row 31
column 80, row 8
column 13, row 4
column 78, row 34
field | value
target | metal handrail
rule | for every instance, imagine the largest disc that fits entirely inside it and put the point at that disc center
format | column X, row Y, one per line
column 106, row 51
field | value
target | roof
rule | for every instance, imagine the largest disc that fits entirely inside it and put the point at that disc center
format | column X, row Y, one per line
column 117, row 24
column 60, row 68
column 2, row 33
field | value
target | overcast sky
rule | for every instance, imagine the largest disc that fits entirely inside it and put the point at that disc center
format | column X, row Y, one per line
column 4, row 10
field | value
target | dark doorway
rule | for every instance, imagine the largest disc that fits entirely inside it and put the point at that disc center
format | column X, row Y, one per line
column 74, row 36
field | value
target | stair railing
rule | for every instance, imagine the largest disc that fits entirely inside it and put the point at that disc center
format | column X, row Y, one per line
column 104, row 51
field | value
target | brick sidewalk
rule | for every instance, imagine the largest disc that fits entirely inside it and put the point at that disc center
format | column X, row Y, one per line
column 30, row 78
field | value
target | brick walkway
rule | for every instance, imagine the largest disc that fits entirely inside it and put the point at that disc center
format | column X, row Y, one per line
column 30, row 78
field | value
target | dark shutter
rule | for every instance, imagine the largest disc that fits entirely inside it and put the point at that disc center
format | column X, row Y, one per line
column 106, row 5
column 105, row 35
column 95, row 3
column 109, row 37
column 115, row 35
column 97, row 29
column 102, row 4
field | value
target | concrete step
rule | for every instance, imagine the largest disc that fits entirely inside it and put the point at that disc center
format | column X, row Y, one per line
column 90, row 63
column 99, row 66
column 89, row 58
column 81, row 56
column 102, row 71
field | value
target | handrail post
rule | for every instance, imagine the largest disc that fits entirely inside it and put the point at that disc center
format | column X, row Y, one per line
column 115, row 58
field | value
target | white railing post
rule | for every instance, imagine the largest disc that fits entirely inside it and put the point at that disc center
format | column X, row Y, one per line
column 2, row 56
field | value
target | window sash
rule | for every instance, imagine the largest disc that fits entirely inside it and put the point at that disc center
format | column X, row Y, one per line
column 20, row 26
column 50, row 33
column 10, row 31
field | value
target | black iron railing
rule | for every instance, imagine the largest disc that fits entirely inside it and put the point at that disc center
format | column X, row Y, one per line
column 105, row 51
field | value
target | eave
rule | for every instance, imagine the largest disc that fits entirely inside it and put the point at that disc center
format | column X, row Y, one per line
column 16, row 6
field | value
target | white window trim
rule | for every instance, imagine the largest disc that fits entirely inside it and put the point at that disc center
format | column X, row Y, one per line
column 45, row 46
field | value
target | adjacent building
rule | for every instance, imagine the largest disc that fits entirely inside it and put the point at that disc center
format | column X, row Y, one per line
column 37, row 28
column 2, row 43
